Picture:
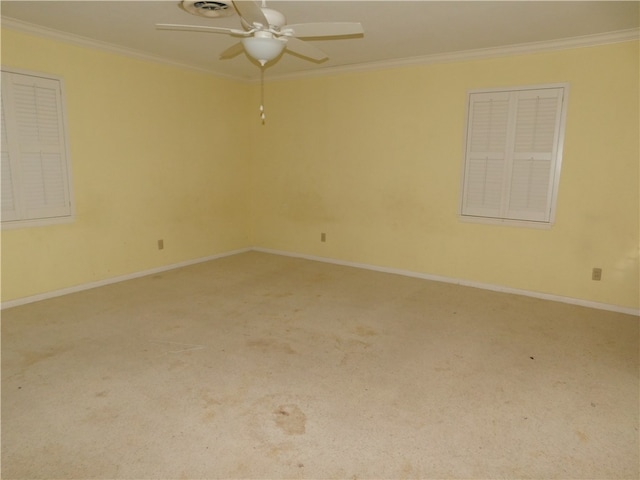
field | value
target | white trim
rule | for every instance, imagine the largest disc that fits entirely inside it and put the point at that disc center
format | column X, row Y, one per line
column 39, row 222
column 503, row 221
column 594, row 40
column 462, row 282
column 376, row 268
column 109, row 281
column 78, row 40
column 518, row 88
column 460, row 56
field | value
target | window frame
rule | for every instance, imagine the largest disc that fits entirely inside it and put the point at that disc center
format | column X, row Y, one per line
column 555, row 169
column 65, row 161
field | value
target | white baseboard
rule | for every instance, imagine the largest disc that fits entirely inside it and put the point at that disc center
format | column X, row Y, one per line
column 396, row 271
column 466, row 283
column 120, row 278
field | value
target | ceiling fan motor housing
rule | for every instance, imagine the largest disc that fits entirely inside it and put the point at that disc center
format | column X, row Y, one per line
column 275, row 18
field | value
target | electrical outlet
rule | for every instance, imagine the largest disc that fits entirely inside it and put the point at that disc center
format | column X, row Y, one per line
column 160, row 244
column 596, row 274
column 323, row 237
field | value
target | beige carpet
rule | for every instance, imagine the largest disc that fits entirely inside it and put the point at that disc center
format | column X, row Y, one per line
column 262, row 366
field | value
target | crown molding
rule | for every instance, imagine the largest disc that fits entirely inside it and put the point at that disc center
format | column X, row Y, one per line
column 459, row 56
column 477, row 54
column 78, row 40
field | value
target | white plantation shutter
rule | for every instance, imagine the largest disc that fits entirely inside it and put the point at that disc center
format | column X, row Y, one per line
column 9, row 207
column 486, row 154
column 35, row 175
column 535, row 146
column 513, row 154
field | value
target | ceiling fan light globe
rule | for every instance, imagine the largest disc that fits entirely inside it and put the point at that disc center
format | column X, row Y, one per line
column 263, row 49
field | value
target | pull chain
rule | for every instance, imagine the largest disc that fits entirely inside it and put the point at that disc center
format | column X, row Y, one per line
column 262, row 115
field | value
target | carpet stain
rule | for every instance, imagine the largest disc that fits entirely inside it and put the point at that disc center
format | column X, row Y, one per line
column 102, row 415
column 212, row 404
column 364, row 331
column 279, row 450
column 31, row 358
column 177, row 364
column 584, row 438
column 349, row 344
column 277, row 294
column 354, row 350
column 271, row 345
column 408, row 471
column 210, row 407
column 209, row 416
column 290, row 419
column 442, row 369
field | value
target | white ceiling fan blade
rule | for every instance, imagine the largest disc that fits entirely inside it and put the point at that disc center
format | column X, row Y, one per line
column 250, row 13
column 305, row 49
column 202, row 28
column 325, row 29
column 232, row 51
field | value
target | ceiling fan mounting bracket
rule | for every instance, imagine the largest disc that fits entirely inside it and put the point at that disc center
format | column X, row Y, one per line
column 208, row 8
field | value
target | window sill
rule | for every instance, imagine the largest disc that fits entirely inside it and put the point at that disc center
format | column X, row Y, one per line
column 506, row 222
column 39, row 222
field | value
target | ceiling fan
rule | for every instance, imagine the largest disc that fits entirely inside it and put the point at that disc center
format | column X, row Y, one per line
column 266, row 34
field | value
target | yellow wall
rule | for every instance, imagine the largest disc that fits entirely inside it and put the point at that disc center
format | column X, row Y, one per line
column 157, row 153
column 374, row 161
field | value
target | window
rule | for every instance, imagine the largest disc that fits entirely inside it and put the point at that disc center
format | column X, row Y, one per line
column 513, row 154
column 35, row 176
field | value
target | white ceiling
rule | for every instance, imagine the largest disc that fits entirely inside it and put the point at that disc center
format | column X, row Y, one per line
column 395, row 31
